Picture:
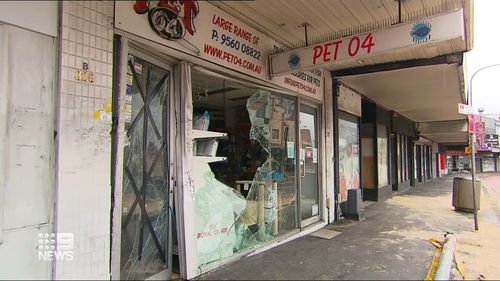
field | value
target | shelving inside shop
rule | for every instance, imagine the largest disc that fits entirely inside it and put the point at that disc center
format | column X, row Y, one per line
column 232, row 155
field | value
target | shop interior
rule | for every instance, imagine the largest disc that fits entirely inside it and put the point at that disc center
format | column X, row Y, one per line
column 244, row 134
column 224, row 101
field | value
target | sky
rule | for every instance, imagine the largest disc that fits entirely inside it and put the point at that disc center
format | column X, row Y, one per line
column 486, row 85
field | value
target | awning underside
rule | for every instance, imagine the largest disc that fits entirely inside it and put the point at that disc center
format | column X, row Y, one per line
column 422, row 94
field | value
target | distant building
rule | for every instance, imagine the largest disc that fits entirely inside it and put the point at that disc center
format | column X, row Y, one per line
column 496, row 122
column 487, row 159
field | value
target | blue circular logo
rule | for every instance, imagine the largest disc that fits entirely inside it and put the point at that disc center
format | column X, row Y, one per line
column 421, row 32
column 294, row 60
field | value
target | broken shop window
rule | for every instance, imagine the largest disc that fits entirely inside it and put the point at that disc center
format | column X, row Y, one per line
column 146, row 189
column 228, row 222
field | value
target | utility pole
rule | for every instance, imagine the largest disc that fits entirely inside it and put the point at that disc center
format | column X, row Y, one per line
column 473, row 150
column 473, row 172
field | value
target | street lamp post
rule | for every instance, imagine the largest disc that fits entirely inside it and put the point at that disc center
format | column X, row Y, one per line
column 473, row 148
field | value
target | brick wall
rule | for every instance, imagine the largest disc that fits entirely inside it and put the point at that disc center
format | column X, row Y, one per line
column 84, row 153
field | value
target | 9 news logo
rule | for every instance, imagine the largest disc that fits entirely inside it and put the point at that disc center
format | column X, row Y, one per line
column 58, row 247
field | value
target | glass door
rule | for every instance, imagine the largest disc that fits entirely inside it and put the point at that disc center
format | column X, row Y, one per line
column 309, row 168
column 146, row 215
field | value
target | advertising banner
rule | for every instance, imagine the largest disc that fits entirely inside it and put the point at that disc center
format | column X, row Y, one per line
column 197, row 28
column 200, row 29
column 432, row 30
column 309, row 83
column 491, row 140
column 472, row 123
column 348, row 157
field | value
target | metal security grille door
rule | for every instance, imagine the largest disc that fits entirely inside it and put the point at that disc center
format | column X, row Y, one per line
column 146, row 184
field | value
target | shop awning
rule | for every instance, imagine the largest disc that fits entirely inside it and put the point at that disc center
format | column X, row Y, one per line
column 445, row 132
column 400, row 30
column 290, row 22
column 417, row 39
column 427, row 92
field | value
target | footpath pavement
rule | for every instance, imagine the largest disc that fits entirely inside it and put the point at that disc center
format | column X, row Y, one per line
column 493, row 180
column 392, row 243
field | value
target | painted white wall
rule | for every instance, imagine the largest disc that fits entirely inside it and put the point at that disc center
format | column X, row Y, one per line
column 27, row 74
column 328, row 145
column 84, row 156
column 38, row 16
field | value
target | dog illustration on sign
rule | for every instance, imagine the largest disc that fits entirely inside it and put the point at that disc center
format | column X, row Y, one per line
column 171, row 19
column 294, row 60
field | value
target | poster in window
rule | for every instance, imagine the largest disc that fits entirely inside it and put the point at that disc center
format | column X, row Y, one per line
column 348, row 157
column 382, row 146
column 290, row 147
column 399, row 155
column 488, row 164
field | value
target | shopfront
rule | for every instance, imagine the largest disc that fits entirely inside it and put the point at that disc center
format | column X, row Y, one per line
column 423, row 160
column 486, row 162
column 375, row 147
column 216, row 161
column 388, row 152
column 256, row 166
column 349, row 151
column 487, row 156
column 403, row 131
column 375, row 152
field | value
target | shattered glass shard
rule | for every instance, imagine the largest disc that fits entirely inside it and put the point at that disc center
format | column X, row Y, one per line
column 258, row 110
column 228, row 223
column 145, row 216
column 217, row 208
